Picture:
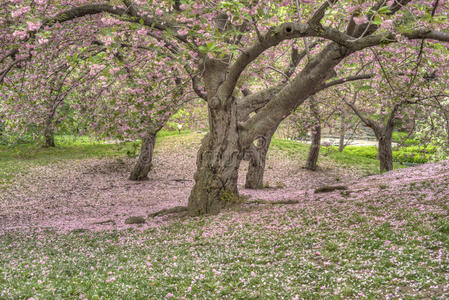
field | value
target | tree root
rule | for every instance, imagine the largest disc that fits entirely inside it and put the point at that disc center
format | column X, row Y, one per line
column 261, row 201
column 167, row 211
column 329, row 188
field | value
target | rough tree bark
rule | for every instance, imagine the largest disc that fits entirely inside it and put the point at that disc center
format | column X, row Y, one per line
column 217, row 163
column 220, row 153
column 144, row 162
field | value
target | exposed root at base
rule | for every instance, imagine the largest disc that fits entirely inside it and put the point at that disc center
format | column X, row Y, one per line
column 261, row 201
column 330, row 188
column 167, row 211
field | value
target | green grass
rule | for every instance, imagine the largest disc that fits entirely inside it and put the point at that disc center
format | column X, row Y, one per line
column 358, row 157
column 22, row 157
column 292, row 148
column 215, row 257
column 164, row 133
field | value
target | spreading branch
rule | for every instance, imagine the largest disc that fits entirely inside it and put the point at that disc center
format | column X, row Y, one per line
column 427, row 34
column 10, row 53
column 347, row 79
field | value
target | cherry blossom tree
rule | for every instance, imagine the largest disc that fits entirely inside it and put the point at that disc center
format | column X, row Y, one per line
column 216, row 41
column 406, row 79
column 134, row 105
column 35, row 94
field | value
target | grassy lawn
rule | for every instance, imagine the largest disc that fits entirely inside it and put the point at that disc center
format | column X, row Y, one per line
column 346, row 159
column 289, row 254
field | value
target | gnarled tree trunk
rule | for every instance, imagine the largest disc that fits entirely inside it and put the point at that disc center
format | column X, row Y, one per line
column 258, row 157
column 217, row 163
column 220, row 153
column 144, row 162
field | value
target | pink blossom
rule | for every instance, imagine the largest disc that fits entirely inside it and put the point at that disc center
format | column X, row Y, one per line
column 360, row 20
column 33, row 26
column 21, row 35
column 183, row 31
column 159, row 12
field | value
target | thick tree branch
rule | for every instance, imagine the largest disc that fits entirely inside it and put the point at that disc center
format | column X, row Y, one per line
column 272, row 38
column 319, row 14
column 131, row 7
column 10, row 53
column 255, row 101
column 427, row 34
column 308, row 82
column 248, row 104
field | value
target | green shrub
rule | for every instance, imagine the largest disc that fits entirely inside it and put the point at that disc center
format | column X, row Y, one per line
column 398, row 137
column 364, row 151
column 413, row 154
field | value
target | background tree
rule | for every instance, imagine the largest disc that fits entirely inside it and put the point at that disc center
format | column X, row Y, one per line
column 392, row 97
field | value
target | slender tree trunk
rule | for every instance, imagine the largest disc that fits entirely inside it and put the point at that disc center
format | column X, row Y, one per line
column 2, row 127
column 315, row 145
column 258, row 156
column 218, row 162
column 385, row 151
column 49, row 134
column 49, row 137
column 144, row 162
column 341, row 145
column 314, row 150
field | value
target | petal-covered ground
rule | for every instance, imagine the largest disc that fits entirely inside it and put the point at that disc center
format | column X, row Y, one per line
column 95, row 194
column 382, row 237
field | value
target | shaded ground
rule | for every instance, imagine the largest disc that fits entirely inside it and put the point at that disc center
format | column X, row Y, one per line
column 95, row 193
